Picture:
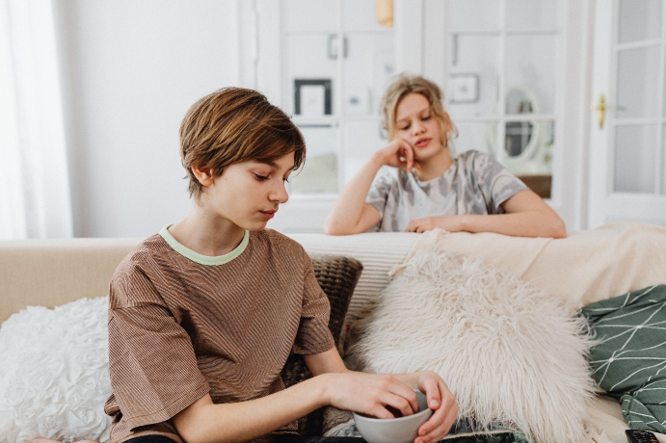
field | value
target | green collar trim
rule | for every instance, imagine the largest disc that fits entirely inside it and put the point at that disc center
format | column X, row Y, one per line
column 200, row 258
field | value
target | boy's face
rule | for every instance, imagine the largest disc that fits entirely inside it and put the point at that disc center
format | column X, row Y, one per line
column 249, row 193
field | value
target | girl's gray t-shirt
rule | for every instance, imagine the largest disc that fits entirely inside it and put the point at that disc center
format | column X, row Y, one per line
column 475, row 183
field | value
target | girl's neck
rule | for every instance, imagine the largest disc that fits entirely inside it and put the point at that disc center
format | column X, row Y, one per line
column 207, row 235
column 434, row 166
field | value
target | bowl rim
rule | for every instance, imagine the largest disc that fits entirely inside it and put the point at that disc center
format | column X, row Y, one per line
column 404, row 417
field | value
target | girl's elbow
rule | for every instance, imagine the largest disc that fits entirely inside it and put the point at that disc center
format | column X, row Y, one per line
column 558, row 229
column 331, row 228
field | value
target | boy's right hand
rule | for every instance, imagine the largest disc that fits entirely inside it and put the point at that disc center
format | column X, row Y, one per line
column 370, row 394
column 398, row 154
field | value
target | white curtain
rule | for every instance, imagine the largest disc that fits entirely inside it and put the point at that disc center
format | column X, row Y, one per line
column 34, row 187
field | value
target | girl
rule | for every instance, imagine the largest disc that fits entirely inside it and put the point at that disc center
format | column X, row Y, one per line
column 426, row 187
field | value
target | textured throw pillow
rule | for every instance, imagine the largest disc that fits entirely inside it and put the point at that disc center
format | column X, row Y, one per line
column 513, row 355
column 337, row 276
column 629, row 362
column 54, row 376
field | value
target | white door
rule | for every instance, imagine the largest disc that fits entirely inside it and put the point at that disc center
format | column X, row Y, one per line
column 627, row 133
column 524, row 62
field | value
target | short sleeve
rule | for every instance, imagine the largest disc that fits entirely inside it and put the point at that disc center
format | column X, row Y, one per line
column 153, row 368
column 378, row 195
column 313, row 336
column 496, row 182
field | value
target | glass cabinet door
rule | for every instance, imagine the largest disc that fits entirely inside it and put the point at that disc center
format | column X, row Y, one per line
column 339, row 60
column 502, row 82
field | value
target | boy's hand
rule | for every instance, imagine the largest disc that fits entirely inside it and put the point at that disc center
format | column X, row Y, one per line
column 442, row 401
column 370, row 394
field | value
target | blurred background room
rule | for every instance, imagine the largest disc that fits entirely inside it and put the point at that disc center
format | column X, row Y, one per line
column 568, row 94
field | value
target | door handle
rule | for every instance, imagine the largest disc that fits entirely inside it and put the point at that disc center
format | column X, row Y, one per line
column 601, row 109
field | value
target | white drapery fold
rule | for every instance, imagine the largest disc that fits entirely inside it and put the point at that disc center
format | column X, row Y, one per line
column 35, row 197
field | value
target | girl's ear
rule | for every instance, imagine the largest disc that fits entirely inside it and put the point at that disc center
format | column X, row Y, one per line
column 447, row 128
column 203, row 175
column 448, row 124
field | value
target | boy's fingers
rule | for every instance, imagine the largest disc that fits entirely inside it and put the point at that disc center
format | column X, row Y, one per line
column 432, row 391
column 440, row 431
column 437, row 426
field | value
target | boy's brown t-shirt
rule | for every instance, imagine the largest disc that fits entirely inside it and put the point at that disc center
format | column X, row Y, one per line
column 182, row 325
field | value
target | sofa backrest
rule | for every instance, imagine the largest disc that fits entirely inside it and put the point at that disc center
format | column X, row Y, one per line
column 53, row 272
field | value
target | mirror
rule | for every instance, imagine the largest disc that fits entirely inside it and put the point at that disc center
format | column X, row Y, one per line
column 522, row 138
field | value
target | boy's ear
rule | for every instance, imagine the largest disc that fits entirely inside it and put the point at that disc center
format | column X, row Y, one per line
column 203, row 175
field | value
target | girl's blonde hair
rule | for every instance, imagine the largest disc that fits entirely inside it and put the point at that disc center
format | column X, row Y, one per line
column 233, row 125
column 404, row 84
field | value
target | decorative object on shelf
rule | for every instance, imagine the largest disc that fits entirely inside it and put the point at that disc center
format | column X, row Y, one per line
column 313, row 97
column 464, row 88
column 332, row 47
column 528, row 144
column 358, row 100
column 384, row 12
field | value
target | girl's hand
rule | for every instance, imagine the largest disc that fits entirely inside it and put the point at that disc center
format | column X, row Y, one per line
column 371, row 394
column 442, row 401
column 398, row 154
column 451, row 223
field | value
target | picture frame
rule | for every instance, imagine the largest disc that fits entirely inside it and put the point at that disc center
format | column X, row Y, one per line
column 464, row 88
column 313, row 97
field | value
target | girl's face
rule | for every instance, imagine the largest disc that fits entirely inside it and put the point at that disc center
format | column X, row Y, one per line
column 248, row 193
column 416, row 124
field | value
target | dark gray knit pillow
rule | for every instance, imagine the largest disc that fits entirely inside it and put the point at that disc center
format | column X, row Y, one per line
column 337, row 276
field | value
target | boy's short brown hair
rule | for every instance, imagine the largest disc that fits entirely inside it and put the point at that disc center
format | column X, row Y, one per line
column 404, row 84
column 233, row 125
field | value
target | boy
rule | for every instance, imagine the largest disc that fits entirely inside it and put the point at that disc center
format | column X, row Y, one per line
column 203, row 315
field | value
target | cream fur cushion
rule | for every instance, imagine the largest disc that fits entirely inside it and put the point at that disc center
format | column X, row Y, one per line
column 54, row 376
column 512, row 354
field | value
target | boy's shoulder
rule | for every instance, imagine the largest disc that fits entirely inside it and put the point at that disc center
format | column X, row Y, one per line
column 276, row 240
column 143, row 254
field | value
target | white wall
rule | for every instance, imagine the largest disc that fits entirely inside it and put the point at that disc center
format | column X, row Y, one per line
column 131, row 70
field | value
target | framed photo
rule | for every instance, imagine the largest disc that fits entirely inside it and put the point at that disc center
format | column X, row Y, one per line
column 464, row 88
column 313, row 97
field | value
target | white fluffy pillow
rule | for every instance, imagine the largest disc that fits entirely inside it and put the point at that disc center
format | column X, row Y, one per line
column 54, row 376
column 511, row 354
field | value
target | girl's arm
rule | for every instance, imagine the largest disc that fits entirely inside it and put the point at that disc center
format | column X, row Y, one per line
column 527, row 215
column 350, row 213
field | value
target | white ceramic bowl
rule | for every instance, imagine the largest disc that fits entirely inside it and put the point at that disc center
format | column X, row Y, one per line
column 394, row 430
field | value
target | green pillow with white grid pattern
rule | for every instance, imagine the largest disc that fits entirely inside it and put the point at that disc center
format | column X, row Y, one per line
column 629, row 361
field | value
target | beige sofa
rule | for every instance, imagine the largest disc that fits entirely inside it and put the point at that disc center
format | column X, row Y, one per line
column 583, row 267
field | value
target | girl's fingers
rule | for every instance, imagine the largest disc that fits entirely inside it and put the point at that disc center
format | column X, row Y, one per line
column 409, row 155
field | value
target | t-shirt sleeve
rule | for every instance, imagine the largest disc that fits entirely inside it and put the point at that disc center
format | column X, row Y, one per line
column 496, row 182
column 313, row 336
column 378, row 195
column 153, row 369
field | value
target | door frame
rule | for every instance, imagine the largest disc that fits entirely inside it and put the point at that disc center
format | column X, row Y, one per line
column 605, row 205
